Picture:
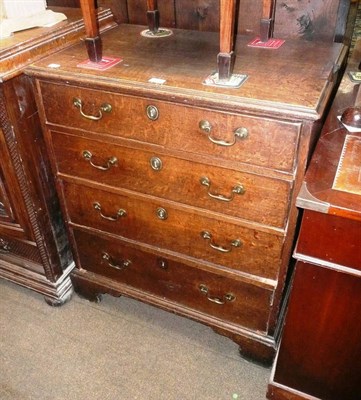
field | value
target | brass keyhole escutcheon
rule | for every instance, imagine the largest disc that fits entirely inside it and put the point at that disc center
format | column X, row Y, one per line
column 156, row 163
column 152, row 112
column 162, row 213
column 162, row 263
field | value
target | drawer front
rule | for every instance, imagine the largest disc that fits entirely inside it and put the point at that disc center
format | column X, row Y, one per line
column 231, row 300
column 259, row 141
column 235, row 193
column 127, row 118
column 179, row 229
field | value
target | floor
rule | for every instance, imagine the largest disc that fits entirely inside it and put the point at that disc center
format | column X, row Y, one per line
column 118, row 349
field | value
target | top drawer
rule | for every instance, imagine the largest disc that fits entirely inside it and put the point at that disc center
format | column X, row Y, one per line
column 259, row 141
column 89, row 110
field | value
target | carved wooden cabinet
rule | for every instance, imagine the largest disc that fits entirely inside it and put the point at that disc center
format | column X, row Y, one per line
column 177, row 193
column 34, row 249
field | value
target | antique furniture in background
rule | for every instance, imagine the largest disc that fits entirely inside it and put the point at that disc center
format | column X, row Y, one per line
column 330, row 20
column 323, row 20
column 182, row 194
column 34, row 250
column 320, row 351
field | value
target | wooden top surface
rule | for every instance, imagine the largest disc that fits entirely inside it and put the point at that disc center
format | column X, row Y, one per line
column 292, row 81
column 333, row 181
column 25, row 47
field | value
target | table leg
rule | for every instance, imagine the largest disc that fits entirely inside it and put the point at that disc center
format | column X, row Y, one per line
column 226, row 56
column 153, row 15
column 92, row 42
column 266, row 23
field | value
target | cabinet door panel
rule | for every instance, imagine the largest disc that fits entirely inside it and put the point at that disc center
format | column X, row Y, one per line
column 5, row 209
column 12, row 208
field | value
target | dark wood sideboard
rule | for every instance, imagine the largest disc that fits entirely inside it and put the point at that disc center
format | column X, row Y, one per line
column 34, row 249
column 320, row 351
column 177, row 193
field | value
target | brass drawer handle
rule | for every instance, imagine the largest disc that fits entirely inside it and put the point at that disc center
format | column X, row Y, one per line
column 239, row 133
column 208, row 236
column 103, row 108
column 122, row 265
column 109, row 163
column 120, row 213
column 218, row 300
column 238, row 189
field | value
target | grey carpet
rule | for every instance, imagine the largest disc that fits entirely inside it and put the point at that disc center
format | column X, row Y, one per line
column 119, row 349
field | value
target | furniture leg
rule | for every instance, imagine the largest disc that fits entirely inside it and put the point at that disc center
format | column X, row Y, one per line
column 266, row 23
column 226, row 56
column 153, row 15
column 92, row 42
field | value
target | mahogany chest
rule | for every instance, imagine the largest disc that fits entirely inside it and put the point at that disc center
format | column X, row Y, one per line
column 319, row 356
column 178, row 193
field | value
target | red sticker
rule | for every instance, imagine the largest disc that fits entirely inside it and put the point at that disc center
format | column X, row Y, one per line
column 270, row 44
column 105, row 63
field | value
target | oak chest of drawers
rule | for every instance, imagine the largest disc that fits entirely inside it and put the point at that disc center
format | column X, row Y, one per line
column 181, row 194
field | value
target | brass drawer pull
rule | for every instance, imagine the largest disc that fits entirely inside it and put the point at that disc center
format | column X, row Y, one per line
column 218, row 300
column 120, row 213
column 122, row 265
column 103, row 108
column 109, row 163
column 208, row 236
column 239, row 133
column 238, row 189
